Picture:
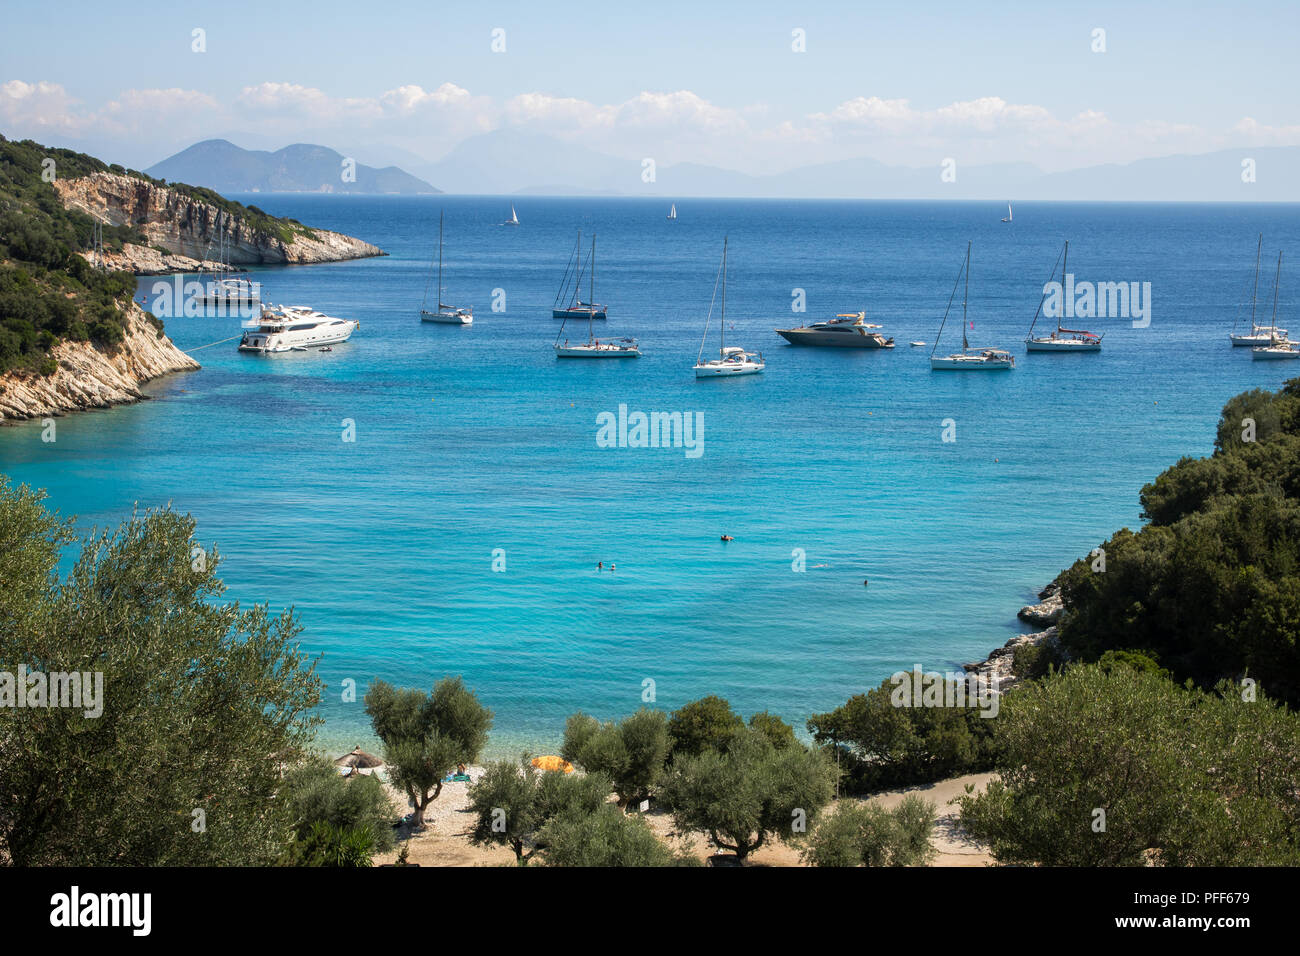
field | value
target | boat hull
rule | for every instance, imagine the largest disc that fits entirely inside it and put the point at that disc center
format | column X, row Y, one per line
column 1274, row 355
column 959, row 363
column 727, row 370
column 301, row 343
column 578, row 314
column 1061, row 345
column 446, row 318
column 833, row 340
column 1254, row 341
column 596, row 351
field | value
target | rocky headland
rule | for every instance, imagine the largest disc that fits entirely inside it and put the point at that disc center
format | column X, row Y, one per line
column 997, row 667
column 90, row 375
column 185, row 231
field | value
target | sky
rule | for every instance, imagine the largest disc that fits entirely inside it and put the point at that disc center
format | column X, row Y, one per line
column 716, row 83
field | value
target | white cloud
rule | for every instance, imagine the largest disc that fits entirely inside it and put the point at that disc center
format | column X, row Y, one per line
column 672, row 126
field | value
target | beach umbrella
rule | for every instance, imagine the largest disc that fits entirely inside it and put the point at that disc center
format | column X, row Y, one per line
column 552, row 762
column 359, row 759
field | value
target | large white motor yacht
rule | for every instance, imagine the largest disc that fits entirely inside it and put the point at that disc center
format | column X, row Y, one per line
column 290, row 328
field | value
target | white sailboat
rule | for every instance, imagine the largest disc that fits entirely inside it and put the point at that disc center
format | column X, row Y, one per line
column 1063, row 339
column 227, row 289
column 444, row 314
column 1259, row 335
column 1008, row 216
column 514, row 217
column 1277, row 348
column 672, row 213
column 593, row 347
column 731, row 360
column 968, row 359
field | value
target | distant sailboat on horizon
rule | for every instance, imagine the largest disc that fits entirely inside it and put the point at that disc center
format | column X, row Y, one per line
column 1008, row 216
column 672, row 213
column 514, row 217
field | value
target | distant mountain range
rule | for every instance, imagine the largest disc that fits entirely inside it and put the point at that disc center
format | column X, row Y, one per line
column 221, row 165
column 512, row 161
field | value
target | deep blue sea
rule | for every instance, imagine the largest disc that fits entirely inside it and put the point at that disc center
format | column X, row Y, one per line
column 474, row 439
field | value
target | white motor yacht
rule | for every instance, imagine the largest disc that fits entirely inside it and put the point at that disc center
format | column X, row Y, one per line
column 293, row 328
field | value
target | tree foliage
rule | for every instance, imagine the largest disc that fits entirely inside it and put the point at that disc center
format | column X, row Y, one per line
column 513, row 801
column 426, row 736
column 886, row 746
column 630, row 753
column 204, row 703
column 750, row 793
column 1124, row 767
column 865, row 834
column 1210, row 588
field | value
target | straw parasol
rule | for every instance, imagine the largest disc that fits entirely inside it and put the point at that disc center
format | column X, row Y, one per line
column 359, row 760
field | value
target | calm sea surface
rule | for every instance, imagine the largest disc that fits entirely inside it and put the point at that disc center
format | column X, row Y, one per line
column 469, row 440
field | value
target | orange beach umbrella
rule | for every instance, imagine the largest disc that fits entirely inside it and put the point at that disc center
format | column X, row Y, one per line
column 552, row 762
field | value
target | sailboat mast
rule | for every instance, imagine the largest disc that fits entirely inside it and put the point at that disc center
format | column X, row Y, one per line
column 964, row 296
column 1065, row 258
column 440, row 216
column 1277, row 278
column 591, row 307
column 723, row 325
column 1255, row 293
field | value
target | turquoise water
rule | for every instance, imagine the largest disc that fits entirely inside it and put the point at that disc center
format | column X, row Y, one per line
column 474, row 439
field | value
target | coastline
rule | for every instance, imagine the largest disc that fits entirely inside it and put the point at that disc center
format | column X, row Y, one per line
column 91, row 376
column 183, row 231
column 996, row 668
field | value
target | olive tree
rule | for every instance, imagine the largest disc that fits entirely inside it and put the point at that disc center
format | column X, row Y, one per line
column 191, row 707
column 426, row 736
column 750, row 793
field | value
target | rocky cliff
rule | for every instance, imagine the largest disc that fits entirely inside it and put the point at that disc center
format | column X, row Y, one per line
column 94, row 376
column 190, row 227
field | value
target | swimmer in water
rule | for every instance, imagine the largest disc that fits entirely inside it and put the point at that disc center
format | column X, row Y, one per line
column 600, row 565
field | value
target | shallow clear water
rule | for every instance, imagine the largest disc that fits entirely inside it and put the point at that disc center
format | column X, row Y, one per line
column 474, row 439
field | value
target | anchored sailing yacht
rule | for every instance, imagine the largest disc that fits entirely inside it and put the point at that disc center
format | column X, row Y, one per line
column 577, row 309
column 226, row 289
column 293, row 328
column 731, row 360
column 1260, row 335
column 1277, row 348
column 514, row 217
column 848, row 330
column 593, row 348
column 967, row 359
column 445, row 314
column 1063, row 339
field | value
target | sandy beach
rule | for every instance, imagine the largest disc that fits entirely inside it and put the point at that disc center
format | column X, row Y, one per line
column 445, row 839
